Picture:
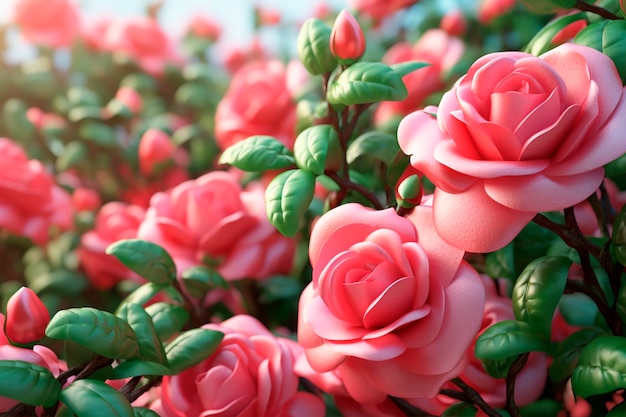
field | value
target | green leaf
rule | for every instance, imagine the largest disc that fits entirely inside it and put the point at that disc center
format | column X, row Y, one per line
column 258, row 153
column 568, row 351
column 28, row 383
column 168, row 318
column 87, row 398
column 508, row 338
column 314, row 47
column 618, row 411
column 81, row 96
column 381, row 146
column 544, row 407
column 313, row 145
column 98, row 133
column 601, row 367
column 460, row 410
column 405, row 68
column 150, row 347
column 147, row 291
column 287, row 198
column 618, row 237
column 607, row 36
column 136, row 367
column 83, row 113
column 192, row 347
column 366, row 82
column 200, row 279
column 99, row 331
column 538, row 289
column 144, row 412
column 73, row 154
column 498, row 368
column 542, row 41
column 501, row 263
column 547, row 6
column 146, row 259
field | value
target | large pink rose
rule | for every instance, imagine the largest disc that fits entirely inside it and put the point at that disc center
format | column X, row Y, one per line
column 31, row 203
column 530, row 381
column 258, row 102
column 436, row 47
column 517, row 135
column 52, row 23
column 392, row 308
column 251, row 374
column 115, row 221
column 213, row 218
column 142, row 39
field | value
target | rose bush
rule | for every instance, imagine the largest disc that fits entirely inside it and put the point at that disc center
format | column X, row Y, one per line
column 517, row 135
column 387, row 308
column 251, row 374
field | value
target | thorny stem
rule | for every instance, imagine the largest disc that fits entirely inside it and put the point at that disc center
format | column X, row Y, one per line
column 470, row 395
column 409, row 409
column 600, row 11
column 511, row 376
column 347, row 184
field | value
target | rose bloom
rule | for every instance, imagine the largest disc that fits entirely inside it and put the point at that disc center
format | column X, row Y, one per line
column 257, row 102
column 31, row 203
column 436, row 47
column 492, row 9
column 38, row 355
column 517, row 135
column 204, row 27
column 143, row 40
column 392, row 308
column 213, row 219
column 249, row 375
column 529, row 383
column 379, row 9
column 115, row 221
column 52, row 23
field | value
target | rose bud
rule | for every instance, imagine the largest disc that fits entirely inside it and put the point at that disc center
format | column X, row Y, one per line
column 347, row 40
column 27, row 317
column 155, row 149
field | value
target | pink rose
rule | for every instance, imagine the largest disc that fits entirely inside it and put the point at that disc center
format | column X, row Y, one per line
column 52, row 23
column 142, row 39
column 517, row 135
column 257, row 102
column 492, row 9
column 213, row 218
column 155, row 151
column 85, row 199
column 530, row 381
column 379, row 9
column 115, row 221
column 204, row 27
column 436, row 47
column 30, row 201
column 392, row 308
column 249, row 375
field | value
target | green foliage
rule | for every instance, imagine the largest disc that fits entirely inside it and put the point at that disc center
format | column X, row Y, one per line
column 618, row 237
column 547, row 6
column 601, row 367
column 287, row 198
column 258, row 153
column 200, row 279
column 167, row 318
column 314, row 145
column 568, row 351
column 192, row 347
column 314, row 47
column 405, row 68
column 28, row 383
column 542, row 41
column 378, row 145
column 607, row 36
column 137, row 367
column 99, row 331
column 508, row 338
column 146, row 259
column 150, row 347
column 84, row 396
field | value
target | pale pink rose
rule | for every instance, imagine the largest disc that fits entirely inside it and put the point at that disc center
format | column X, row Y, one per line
column 436, row 47
column 392, row 308
column 31, row 203
column 257, row 102
column 530, row 381
column 212, row 218
column 297, row 77
column 491, row 9
column 204, row 27
column 115, row 221
column 249, row 375
column 52, row 23
column 379, row 9
column 517, row 135
column 143, row 40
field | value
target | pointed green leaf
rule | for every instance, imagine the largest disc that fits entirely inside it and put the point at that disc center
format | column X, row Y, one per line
column 147, row 291
column 200, row 279
column 136, row 367
column 28, row 383
column 313, row 145
column 258, row 153
column 314, row 47
column 287, row 198
column 568, row 351
column 99, row 331
column 542, row 41
column 501, row 263
column 404, row 68
column 618, row 247
column 508, row 338
column 86, row 398
column 538, row 289
column 147, row 259
column 498, row 368
column 192, row 347
column 144, row 412
column 366, row 82
column 168, row 318
column 150, row 347
column 607, row 36
column 379, row 145
column 601, row 367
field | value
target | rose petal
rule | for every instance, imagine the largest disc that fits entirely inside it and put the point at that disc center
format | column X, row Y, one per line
column 328, row 326
column 395, row 301
column 380, row 349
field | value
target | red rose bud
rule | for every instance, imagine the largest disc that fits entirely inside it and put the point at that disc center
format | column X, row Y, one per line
column 155, row 150
column 27, row 317
column 347, row 41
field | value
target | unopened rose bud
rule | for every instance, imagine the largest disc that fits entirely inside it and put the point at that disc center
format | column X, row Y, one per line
column 155, row 149
column 347, row 40
column 409, row 191
column 130, row 98
column 85, row 199
column 27, row 317
column 454, row 23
